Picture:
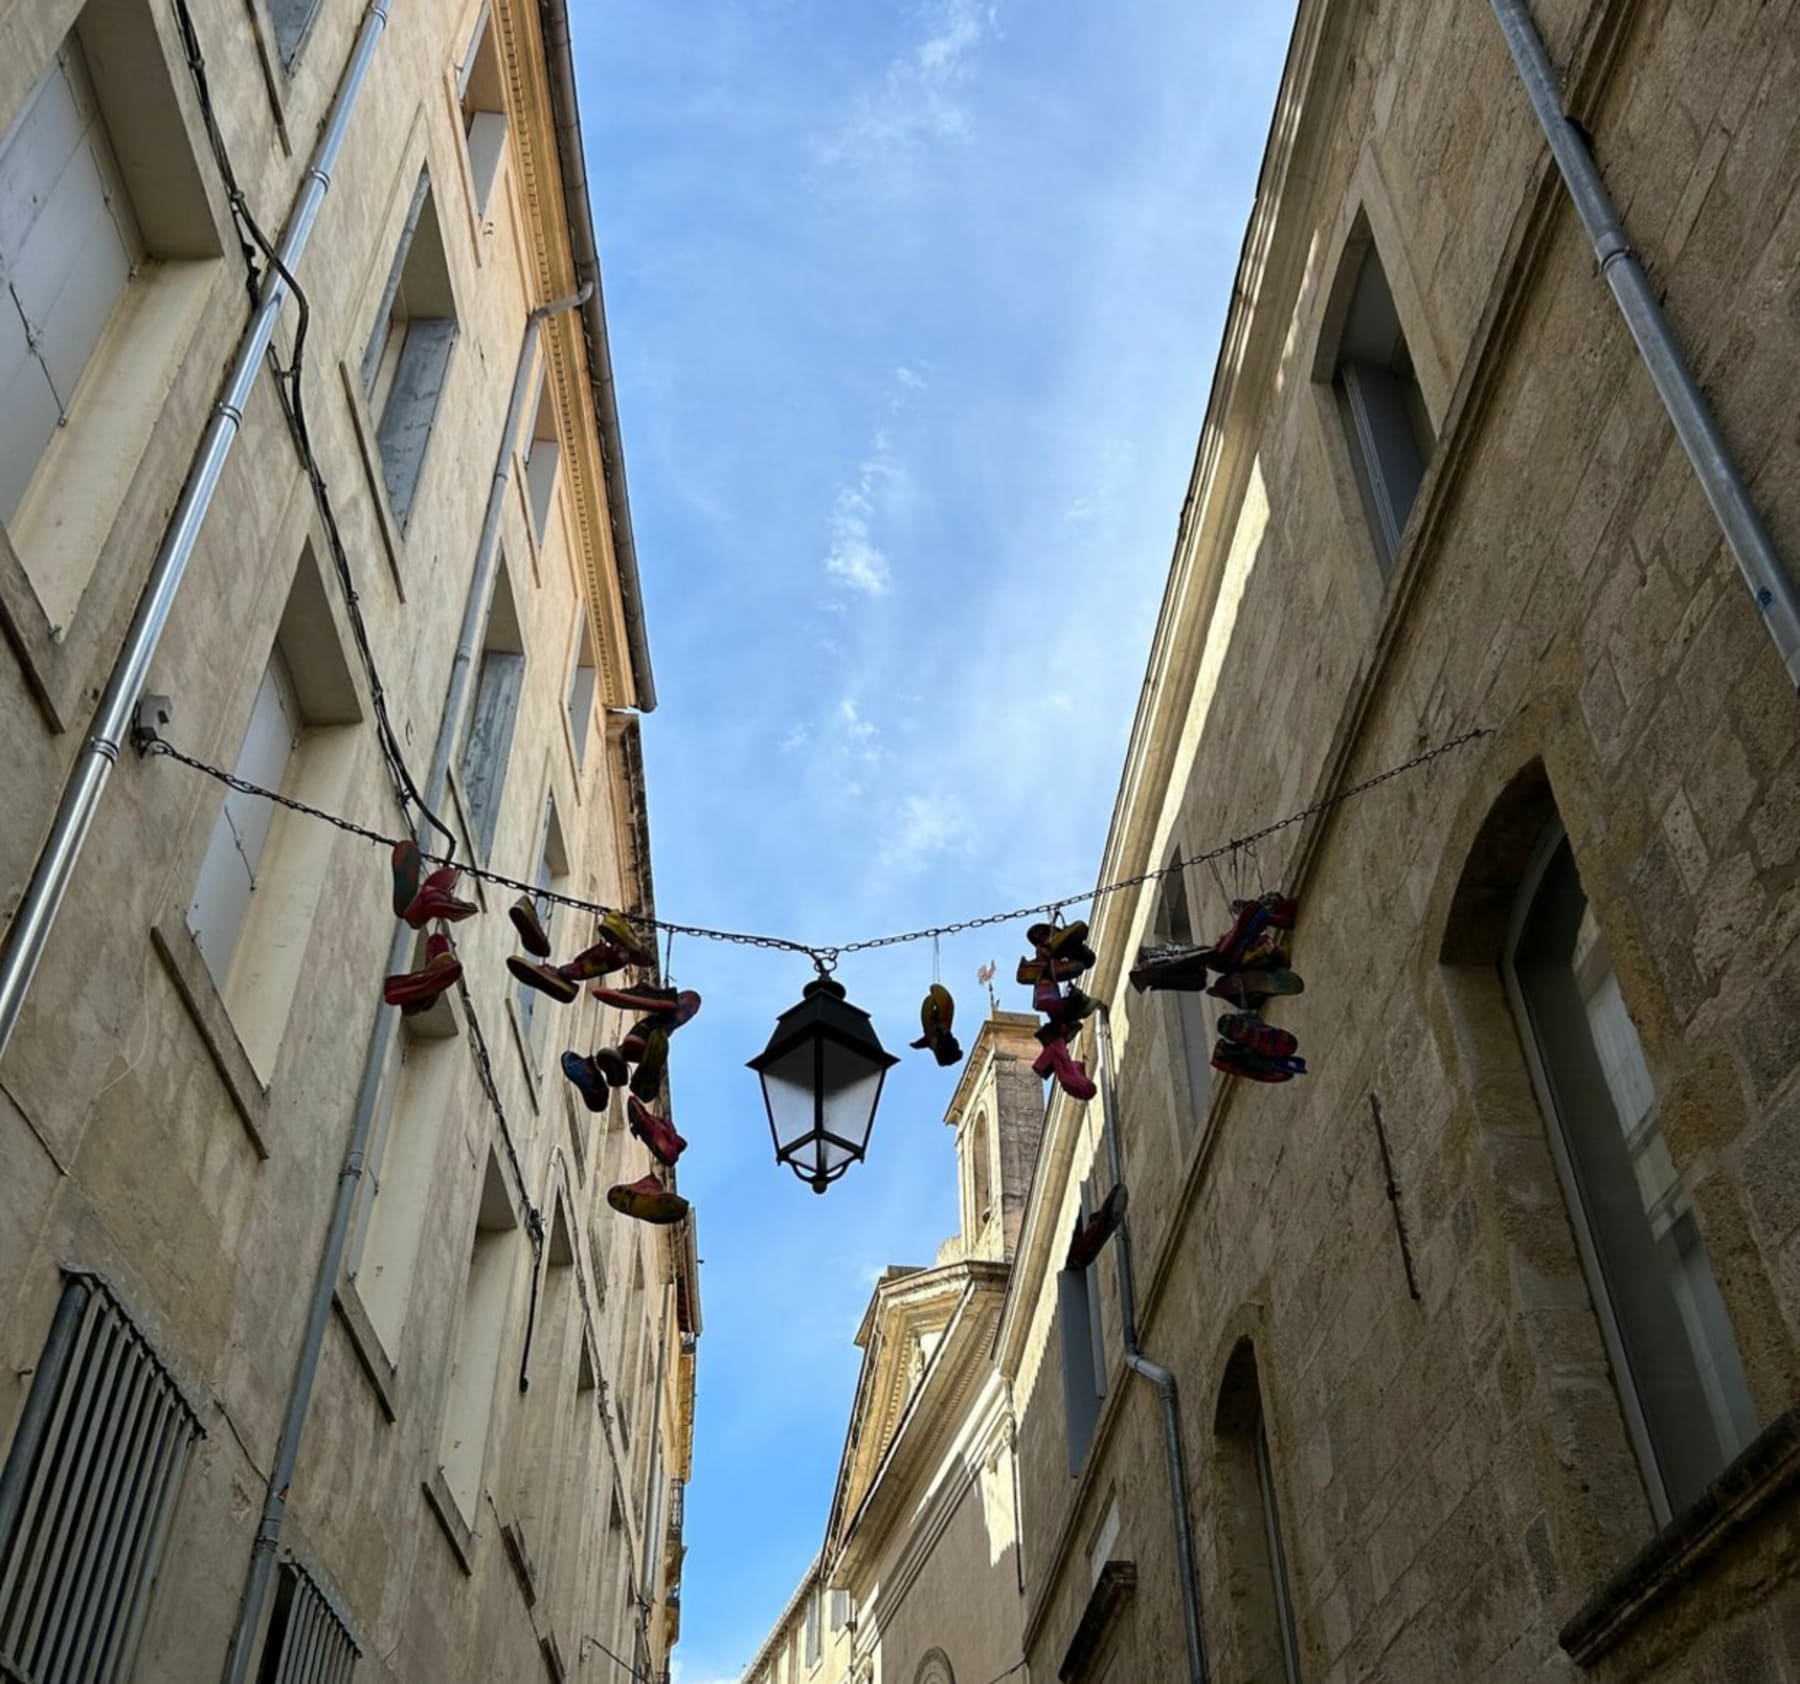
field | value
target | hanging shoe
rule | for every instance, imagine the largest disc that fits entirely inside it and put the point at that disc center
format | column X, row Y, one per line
column 1248, row 917
column 652, row 1064
column 647, row 1200
column 1065, row 941
column 1100, row 1227
column 1267, row 951
column 1046, row 965
column 936, row 1014
column 543, row 976
column 1246, row 1029
column 589, row 1082
column 657, row 1133
column 524, row 916
column 610, row 1062
column 419, row 988
column 1248, row 989
column 646, row 997
column 436, row 899
column 1067, row 1006
column 602, row 959
column 1069, row 1073
column 409, row 871
column 1281, row 910
column 1171, row 969
column 628, row 938
column 1235, row 1060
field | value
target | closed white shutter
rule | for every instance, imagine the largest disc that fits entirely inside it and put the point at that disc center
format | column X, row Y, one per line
column 68, row 246
column 228, row 872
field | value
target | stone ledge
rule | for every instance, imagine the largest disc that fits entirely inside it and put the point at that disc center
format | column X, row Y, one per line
column 175, row 945
column 372, row 1357
column 1677, row 1553
column 1115, row 1587
column 459, row 1533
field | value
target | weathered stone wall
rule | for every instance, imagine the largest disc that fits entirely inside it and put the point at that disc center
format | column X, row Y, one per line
column 1454, row 1475
column 122, row 1144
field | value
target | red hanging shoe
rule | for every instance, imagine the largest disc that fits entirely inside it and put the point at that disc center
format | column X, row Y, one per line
column 1058, row 1062
column 409, row 872
column 647, row 1200
column 419, row 988
column 1100, row 1227
column 1246, row 1029
column 658, row 1133
column 435, row 899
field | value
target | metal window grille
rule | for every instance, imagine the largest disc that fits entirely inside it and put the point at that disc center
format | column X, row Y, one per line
column 86, row 1495
column 307, row 1642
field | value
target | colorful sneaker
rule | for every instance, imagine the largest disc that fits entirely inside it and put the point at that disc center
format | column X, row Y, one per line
column 1234, row 1060
column 436, row 899
column 628, row 938
column 1248, row 989
column 647, row 1079
column 1100, row 1227
column 1282, row 911
column 1268, row 950
column 1171, row 969
column 647, row 1200
column 1065, row 941
column 657, row 1133
column 409, row 872
column 687, row 1004
column 936, row 1014
column 524, row 915
column 589, row 1082
column 1248, row 917
column 602, row 959
column 543, row 976
column 1246, row 1029
column 1069, row 1072
column 646, row 997
column 610, row 1062
column 419, row 988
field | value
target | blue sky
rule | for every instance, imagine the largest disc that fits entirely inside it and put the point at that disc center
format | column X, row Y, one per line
column 914, row 309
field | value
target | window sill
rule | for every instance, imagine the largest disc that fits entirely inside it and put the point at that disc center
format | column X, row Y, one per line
column 1677, row 1553
column 175, row 946
column 459, row 1533
column 369, row 449
column 382, row 1371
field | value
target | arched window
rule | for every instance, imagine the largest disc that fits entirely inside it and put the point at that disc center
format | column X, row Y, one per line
column 1253, row 1557
column 1675, row 1359
column 935, row 1669
column 981, row 1173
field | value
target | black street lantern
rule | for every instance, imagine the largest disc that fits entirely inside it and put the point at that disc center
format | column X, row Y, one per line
column 821, row 1079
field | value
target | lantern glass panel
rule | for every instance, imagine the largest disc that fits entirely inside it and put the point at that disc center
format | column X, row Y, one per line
column 788, row 1083
column 849, row 1087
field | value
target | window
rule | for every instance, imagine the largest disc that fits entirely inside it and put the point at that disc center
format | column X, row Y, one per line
column 581, row 687
column 811, row 1645
column 1668, row 1335
column 543, row 452
column 415, row 1098
column 840, row 1609
column 292, row 20
column 306, row 1643
column 264, row 868
column 1263, row 1628
column 981, row 1174
column 552, row 873
column 87, row 1493
column 1081, row 1323
column 499, row 680
column 480, row 1338
column 481, row 92
column 1377, row 395
column 1175, row 924
column 408, row 352
column 100, row 207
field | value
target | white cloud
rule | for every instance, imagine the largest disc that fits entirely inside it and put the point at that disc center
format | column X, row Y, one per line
column 855, row 555
column 925, row 828
column 797, row 737
column 910, row 378
column 919, row 98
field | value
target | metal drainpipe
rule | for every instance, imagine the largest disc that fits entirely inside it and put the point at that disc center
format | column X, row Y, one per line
column 1707, row 451
column 652, row 1519
column 55, row 869
column 293, row 1425
column 1174, row 1453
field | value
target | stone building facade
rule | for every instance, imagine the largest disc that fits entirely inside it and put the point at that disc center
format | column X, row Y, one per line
column 918, row 1580
column 1483, row 1332
column 493, row 1428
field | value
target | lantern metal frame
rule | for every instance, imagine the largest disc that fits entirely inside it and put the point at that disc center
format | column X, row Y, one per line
column 824, row 1016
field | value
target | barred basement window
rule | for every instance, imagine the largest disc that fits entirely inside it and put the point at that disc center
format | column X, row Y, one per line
column 307, row 1642
column 86, row 1495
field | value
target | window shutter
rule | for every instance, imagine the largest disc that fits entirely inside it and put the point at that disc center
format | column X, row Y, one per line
column 86, row 1495
column 497, row 693
column 307, row 1643
column 411, row 408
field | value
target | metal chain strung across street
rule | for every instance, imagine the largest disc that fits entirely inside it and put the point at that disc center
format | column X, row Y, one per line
column 826, row 957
